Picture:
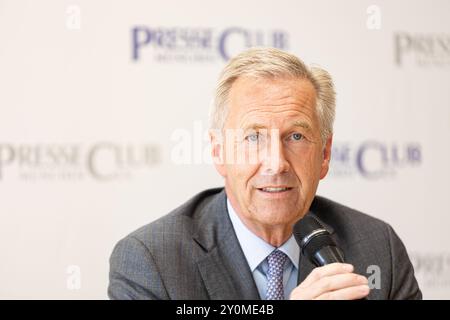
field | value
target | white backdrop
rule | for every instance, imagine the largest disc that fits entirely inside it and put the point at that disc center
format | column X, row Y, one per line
column 96, row 98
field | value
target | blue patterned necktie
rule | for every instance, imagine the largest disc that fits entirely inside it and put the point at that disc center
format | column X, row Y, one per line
column 275, row 290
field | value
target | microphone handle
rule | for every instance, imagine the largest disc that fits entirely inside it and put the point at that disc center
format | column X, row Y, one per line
column 327, row 255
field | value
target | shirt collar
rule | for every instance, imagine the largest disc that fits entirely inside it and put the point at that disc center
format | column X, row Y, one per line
column 256, row 249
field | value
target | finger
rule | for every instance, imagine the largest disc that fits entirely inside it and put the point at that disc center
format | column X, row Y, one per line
column 328, row 284
column 325, row 271
column 351, row 293
column 336, row 282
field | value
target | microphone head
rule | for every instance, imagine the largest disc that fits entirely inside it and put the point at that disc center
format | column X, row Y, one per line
column 316, row 242
column 306, row 226
column 306, row 229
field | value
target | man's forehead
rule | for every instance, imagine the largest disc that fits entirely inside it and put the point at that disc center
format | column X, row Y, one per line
column 274, row 117
column 269, row 95
column 270, row 85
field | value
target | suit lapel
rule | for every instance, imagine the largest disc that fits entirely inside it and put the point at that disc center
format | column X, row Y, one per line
column 222, row 264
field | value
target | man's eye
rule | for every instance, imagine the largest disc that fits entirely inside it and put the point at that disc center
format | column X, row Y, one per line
column 253, row 137
column 297, row 136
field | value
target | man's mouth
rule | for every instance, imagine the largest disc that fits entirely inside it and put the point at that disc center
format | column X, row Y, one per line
column 275, row 189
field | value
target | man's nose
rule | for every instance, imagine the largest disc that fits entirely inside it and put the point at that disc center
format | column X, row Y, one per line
column 274, row 160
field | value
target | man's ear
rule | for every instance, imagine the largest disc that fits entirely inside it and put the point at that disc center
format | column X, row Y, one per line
column 217, row 151
column 326, row 157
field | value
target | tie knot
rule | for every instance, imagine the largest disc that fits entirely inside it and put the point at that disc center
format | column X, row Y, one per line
column 276, row 262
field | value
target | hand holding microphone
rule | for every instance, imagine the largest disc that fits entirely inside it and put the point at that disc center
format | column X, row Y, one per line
column 332, row 279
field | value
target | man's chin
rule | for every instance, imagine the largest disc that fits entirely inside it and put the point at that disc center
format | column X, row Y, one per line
column 277, row 216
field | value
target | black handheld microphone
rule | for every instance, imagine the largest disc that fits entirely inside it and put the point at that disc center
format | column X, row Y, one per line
column 316, row 243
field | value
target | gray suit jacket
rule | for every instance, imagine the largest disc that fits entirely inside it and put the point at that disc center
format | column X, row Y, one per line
column 193, row 253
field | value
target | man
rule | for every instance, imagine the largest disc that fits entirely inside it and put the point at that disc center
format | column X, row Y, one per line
column 271, row 137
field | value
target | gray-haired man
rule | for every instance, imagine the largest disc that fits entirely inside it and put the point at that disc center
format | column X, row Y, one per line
column 271, row 138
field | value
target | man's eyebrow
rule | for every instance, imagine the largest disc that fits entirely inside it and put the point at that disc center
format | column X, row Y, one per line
column 303, row 124
column 259, row 126
column 254, row 126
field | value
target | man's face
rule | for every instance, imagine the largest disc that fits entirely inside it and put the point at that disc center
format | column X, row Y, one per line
column 273, row 154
